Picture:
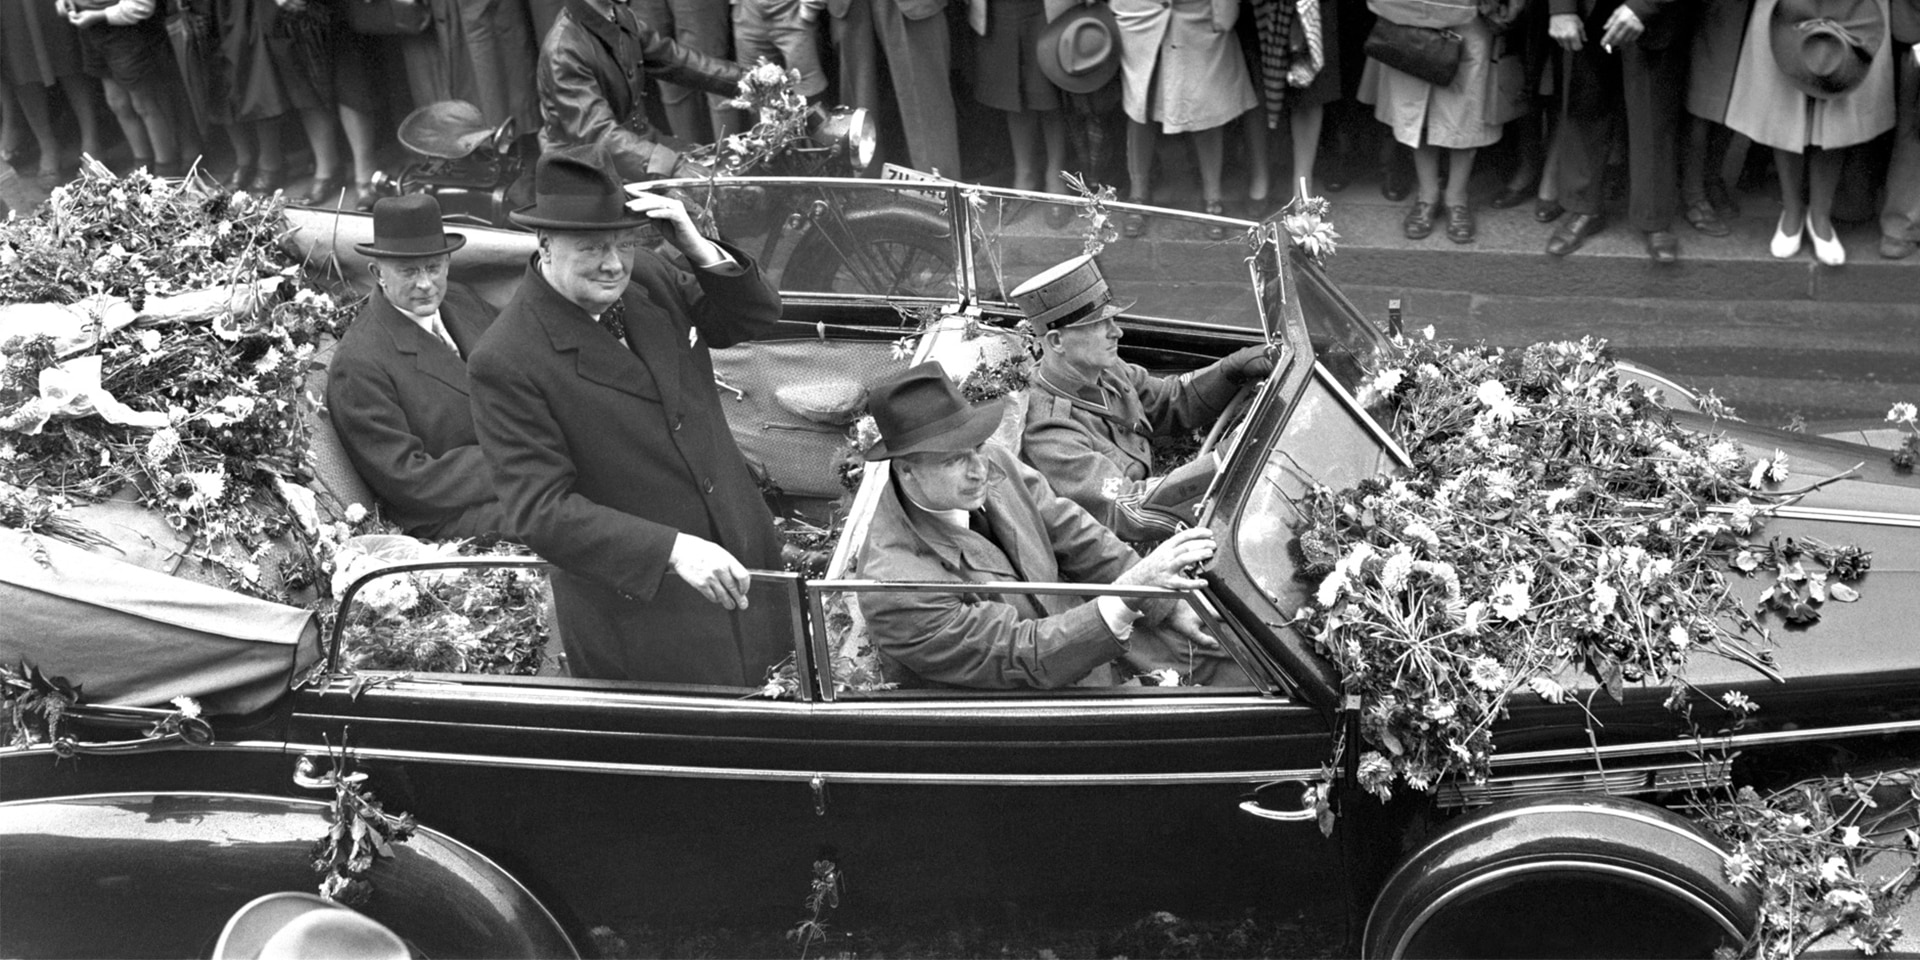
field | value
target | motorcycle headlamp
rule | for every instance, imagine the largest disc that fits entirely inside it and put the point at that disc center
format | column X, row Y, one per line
column 851, row 129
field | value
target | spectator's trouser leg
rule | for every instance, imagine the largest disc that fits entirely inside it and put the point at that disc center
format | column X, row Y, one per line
column 1900, row 213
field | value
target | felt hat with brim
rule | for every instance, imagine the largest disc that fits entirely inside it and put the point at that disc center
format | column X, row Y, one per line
column 284, row 926
column 1824, row 47
column 1067, row 295
column 575, row 188
column 409, row 226
column 921, row 411
column 1079, row 50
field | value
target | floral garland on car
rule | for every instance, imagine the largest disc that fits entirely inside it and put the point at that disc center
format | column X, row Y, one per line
column 1556, row 521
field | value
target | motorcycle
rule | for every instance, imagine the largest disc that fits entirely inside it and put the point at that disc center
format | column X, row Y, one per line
column 879, row 241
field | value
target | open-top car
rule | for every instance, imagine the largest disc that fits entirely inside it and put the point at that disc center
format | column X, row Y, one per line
column 620, row 802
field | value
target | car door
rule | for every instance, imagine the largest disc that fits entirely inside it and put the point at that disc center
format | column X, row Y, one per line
column 1135, row 797
column 612, row 800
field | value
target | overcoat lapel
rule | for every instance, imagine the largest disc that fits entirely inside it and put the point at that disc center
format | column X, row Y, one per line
column 431, row 356
column 597, row 356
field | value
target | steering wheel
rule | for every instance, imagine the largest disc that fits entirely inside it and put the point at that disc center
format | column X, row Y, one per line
column 1229, row 418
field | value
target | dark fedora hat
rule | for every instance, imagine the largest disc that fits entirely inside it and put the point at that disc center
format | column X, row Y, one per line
column 409, row 226
column 1066, row 295
column 921, row 411
column 575, row 188
column 1824, row 47
column 1080, row 49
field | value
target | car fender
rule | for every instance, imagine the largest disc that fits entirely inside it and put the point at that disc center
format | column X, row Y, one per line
column 158, row 874
column 1563, row 875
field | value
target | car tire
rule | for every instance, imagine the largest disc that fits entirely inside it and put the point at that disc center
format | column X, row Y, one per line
column 893, row 252
column 1563, row 876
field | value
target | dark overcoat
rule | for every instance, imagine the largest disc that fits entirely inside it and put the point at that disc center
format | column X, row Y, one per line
column 604, row 454
column 398, row 398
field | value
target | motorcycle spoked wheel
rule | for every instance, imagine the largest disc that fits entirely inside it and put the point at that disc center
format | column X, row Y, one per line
column 879, row 252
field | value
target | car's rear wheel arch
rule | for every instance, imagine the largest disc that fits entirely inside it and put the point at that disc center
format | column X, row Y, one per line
column 1569, row 875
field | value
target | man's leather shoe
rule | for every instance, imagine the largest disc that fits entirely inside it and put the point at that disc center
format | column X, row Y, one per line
column 1663, row 246
column 1547, row 211
column 1574, row 231
column 1700, row 213
column 1894, row 248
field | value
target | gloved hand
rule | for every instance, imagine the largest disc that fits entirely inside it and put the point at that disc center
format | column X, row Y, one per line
column 1249, row 363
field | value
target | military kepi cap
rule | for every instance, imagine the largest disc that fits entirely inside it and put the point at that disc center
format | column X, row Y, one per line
column 1067, row 295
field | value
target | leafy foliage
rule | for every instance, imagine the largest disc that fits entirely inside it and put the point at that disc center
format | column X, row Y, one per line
column 823, row 894
column 474, row 620
column 360, row 833
column 1811, row 848
column 1556, row 521
column 1908, row 452
column 36, row 704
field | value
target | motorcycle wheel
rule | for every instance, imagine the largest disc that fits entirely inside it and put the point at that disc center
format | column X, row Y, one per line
column 892, row 257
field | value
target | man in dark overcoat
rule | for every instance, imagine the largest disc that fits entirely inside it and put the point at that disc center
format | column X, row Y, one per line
column 397, row 387
column 1631, row 52
column 594, row 400
column 958, row 507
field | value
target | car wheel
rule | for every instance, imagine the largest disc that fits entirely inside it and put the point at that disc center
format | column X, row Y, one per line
column 1563, row 876
column 880, row 252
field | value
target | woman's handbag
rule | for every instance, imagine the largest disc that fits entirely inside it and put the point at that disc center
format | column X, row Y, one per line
column 387, row 17
column 1430, row 54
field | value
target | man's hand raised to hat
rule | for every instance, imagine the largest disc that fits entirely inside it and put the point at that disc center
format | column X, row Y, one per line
column 1167, row 565
column 708, row 567
column 671, row 217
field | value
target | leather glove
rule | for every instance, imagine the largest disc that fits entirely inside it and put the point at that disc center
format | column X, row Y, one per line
column 1248, row 364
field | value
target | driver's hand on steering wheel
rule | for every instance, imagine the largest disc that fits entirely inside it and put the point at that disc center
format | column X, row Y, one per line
column 1249, row 364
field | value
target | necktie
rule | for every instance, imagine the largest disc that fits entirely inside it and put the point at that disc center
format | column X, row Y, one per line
column 440, row 330
column 615, row 320
column 977, row 522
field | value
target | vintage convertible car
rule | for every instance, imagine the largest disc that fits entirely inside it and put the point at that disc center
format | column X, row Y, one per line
column 623, row 802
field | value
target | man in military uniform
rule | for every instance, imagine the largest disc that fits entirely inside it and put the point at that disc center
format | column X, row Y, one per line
column 1092, row 417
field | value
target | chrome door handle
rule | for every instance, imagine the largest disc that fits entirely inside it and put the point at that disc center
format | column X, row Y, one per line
column 307, row 774
column 1306, row 814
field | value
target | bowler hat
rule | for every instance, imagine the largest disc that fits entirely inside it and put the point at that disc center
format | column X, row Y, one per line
column 282, row 926
column 575, row 188
column 1080, row 49
column 1067, row 295
column 409, row 226
column 1825, row 46
column 921, row 411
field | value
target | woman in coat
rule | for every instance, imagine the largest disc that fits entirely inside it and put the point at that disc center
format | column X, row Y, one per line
column 1459, row 117
column 1807, row 91
column 1181, row 72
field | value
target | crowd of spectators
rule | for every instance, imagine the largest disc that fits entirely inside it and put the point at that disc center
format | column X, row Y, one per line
column 1575, row 105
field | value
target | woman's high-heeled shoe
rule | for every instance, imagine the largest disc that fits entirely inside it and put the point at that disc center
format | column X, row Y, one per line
column 241, row 177
column 1830, row 251
column 266, row 180
column 1785, row 244
column 364, row 197
column 326, row 191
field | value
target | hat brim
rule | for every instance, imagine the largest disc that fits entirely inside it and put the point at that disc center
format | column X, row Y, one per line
column 956, row 433
column 248, row 930
column 454, row 241
column 1048, row 42
column 526, row 218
